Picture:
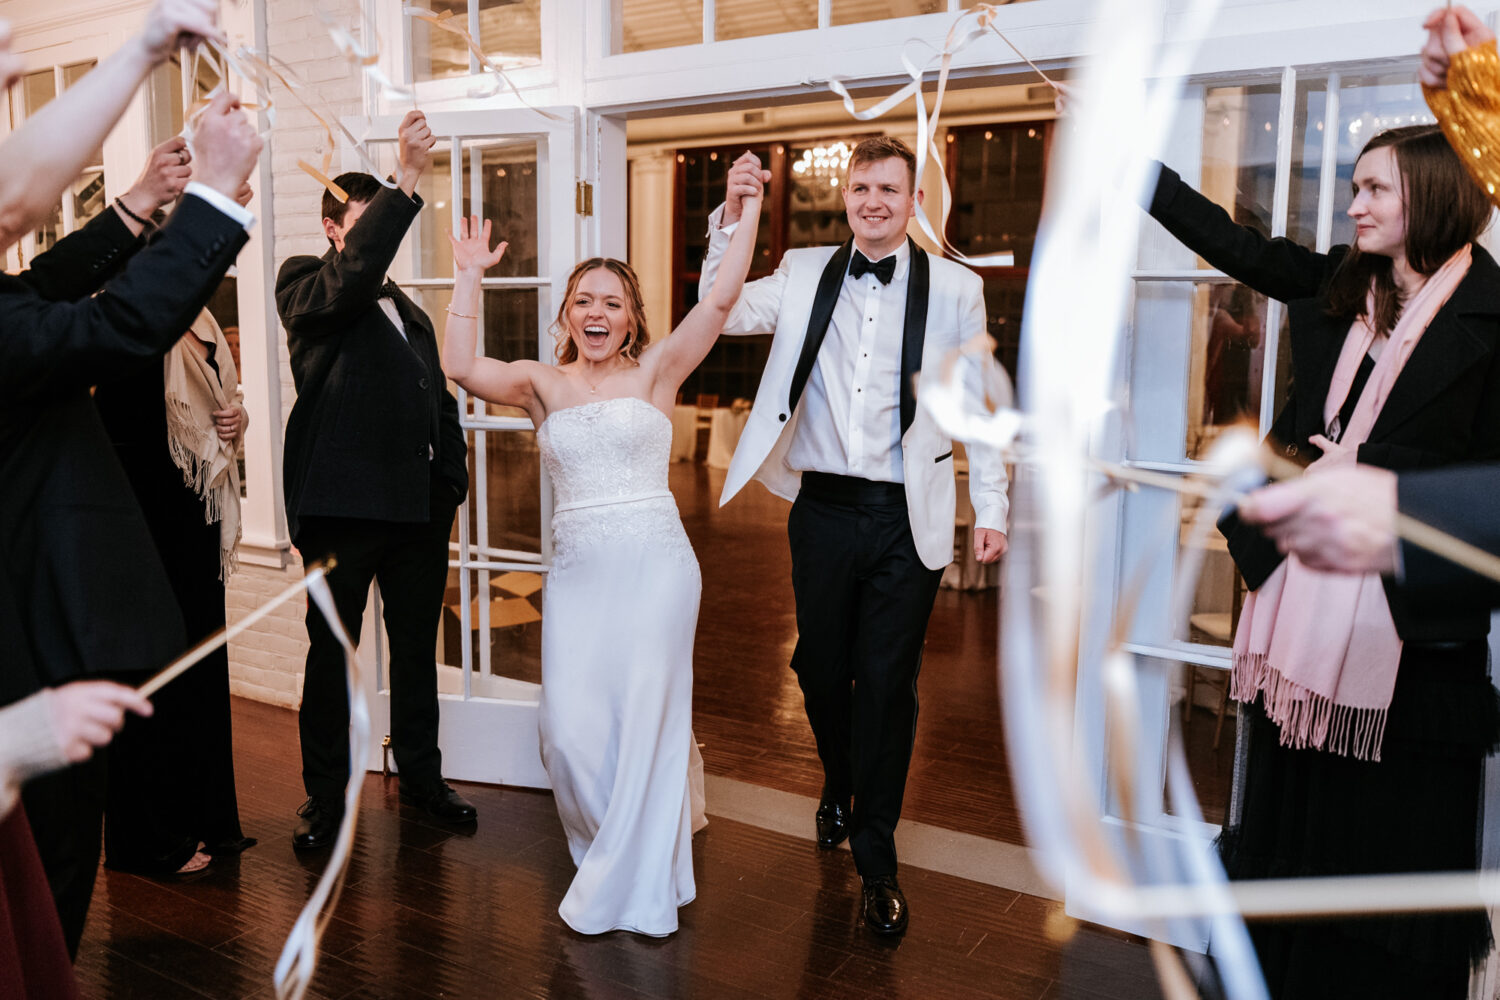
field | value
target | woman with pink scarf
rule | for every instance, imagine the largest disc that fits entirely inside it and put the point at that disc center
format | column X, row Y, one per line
column 1366, row 719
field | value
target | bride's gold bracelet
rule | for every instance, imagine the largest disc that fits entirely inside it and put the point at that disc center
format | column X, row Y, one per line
column 459, row 314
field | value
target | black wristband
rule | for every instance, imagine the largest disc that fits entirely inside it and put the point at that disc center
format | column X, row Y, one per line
column 120, row 204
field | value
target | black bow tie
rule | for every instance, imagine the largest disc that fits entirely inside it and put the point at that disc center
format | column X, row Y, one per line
column 884, row 269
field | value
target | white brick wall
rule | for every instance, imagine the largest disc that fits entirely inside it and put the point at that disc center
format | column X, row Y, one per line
column 265, row 663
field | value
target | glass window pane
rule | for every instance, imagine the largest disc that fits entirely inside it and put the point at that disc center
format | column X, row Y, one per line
column 515, row 606
column 856, row 11
column 1368, row 105
column 37, row 89
column 510, row 333
column 997, row 188
column 1236, row 168
column 815, row 209
column 747, row 18
column 659, row 24
column 50, row 231
column 509, row 33
column 88, row 197
column 509, row 195
column 513, row 482
column 1208, row 335
column 164, row 100
column 431, row 255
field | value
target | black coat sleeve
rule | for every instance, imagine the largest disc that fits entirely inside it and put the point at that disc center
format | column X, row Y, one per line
column 83, row 260
column 1460, row 501
column 1278, row 268
column 320, row 300
column 46, row 346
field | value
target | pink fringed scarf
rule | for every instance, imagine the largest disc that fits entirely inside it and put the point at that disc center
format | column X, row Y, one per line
column 1321, row 648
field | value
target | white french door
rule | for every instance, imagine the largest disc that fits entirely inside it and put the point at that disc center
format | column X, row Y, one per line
column 1277, row 151
column 520, row 170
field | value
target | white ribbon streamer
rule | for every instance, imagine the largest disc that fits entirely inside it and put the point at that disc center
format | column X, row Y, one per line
column 299, row 957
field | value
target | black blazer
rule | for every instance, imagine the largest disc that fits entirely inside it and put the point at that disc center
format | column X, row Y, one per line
column 1464, row 502
column 83, row 590
column 1444, row 407
column 370, row 403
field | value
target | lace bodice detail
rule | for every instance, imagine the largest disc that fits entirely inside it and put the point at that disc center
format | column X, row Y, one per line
column 608, row 464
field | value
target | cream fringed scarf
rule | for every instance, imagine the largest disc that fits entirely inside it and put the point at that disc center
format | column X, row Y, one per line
column 1321, row 648
column 208, row 464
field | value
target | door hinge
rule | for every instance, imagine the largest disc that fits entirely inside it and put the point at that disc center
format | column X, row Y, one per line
column 585, row 198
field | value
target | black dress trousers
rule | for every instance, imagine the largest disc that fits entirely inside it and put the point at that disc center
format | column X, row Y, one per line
column 410, row 562
column 863, row 600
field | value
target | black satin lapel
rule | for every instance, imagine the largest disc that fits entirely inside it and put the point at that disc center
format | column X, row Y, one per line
column 1447, row 350
column 914, row 330
column 817, row 322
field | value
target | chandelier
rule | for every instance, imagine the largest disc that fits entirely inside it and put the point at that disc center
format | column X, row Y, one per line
column 824, row 163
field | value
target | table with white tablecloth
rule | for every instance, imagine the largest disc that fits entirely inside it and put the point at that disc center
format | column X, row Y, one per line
column 684, row 432
column 724, row 430
column 966, row 572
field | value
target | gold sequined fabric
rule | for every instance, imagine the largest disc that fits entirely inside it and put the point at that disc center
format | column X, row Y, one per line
column 1469, row 111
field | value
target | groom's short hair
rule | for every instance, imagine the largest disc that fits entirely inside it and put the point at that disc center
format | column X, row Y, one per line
column 884, row 147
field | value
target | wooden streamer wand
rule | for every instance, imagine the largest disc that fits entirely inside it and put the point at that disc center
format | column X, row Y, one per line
column 188, row 660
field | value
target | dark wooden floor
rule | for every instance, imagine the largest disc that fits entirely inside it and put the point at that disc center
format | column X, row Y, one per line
column 747, row 709
column 433, row 913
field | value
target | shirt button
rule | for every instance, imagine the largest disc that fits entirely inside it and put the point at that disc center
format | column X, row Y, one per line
column 421, row 452
column 422, row 383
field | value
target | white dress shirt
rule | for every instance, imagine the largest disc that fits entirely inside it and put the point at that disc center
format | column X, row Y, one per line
column 239, row 213
column 851, row 420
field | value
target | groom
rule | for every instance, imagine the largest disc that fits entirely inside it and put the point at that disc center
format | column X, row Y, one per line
column 836, row 429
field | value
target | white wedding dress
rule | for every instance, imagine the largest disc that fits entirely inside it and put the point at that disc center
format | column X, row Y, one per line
column 618, row 615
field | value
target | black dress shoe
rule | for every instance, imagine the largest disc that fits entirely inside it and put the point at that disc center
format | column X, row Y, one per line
column 441, row 802
column 321, row 816
column 885, row 905
column 832, row 821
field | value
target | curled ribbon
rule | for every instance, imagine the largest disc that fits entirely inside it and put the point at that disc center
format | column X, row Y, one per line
column 445, row 22
column 959, row 37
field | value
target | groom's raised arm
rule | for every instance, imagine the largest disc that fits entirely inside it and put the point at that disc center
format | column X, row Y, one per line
column 759, row 303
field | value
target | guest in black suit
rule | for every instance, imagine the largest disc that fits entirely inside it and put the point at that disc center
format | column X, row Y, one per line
column 84, row 590
column 1321, row 808
column 1344, row 521
column 374, row 467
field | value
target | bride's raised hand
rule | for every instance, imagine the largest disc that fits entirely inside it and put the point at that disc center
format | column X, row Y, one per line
column 471, row 246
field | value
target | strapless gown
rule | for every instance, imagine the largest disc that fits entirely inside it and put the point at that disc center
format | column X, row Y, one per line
column 619, row 610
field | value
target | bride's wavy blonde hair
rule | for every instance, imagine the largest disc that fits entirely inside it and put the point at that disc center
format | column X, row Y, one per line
column 638, row 337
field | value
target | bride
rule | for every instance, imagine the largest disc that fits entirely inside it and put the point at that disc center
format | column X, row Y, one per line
column 621, row 599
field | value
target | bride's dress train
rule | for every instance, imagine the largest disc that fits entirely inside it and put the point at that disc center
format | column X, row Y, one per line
column 620, row 608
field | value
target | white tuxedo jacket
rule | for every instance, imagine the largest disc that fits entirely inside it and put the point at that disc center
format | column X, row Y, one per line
column 782, row 304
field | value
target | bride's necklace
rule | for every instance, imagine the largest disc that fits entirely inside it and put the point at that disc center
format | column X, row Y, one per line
column 594, row 386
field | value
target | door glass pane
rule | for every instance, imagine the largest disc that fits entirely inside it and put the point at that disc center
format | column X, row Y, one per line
column 88, row 197
column 430, row 254
column 747, row 18
column 658, row 24
column 515, row 622
column 512, row 478
column 1197, row 350
column 509, row 192
column 37, row 89
column 1236, row 168
column 510, row 333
